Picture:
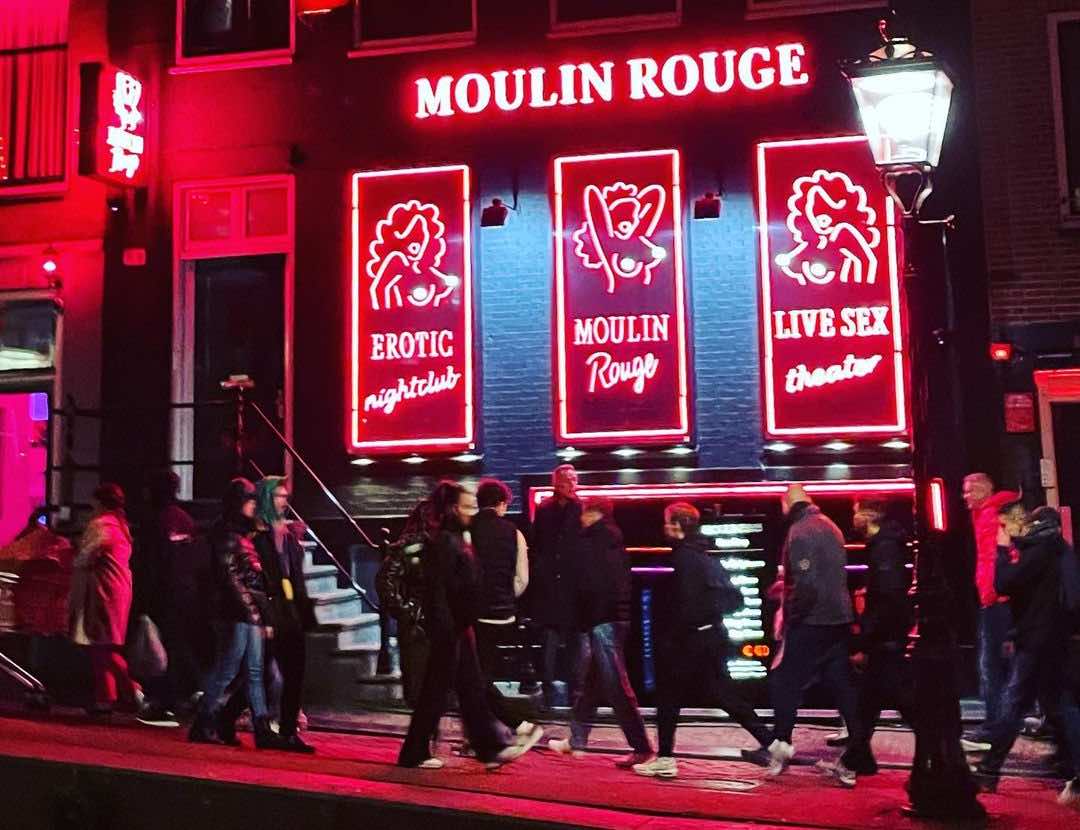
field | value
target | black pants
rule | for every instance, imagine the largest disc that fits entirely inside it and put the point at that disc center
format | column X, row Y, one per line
column 489, row 639
column 1032, row 669
column 694, row 670
column 810, row 650
column 886, row 682
column 453, row 664
column 550, row 640
column 413, row 648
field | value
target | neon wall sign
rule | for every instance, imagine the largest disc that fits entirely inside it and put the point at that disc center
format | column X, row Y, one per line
column 833, row 342
column 411, row 358
column 679, row 75
column 114, row 122
column 621, row 372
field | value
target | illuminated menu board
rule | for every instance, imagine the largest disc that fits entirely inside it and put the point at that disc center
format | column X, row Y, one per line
column 739, row 541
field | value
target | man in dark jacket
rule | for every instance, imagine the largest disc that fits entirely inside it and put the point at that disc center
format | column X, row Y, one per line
column 451, row 608
column 817, row 618
column 601, row 611
column 693, row 653
column 1028, row 571
column 240, row 618
column 503, row 557
column 881, row 643
column 556, row 531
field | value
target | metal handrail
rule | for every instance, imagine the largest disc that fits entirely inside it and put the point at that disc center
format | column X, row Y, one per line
column 333, row 500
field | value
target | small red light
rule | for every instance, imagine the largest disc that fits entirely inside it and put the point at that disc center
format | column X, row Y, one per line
column 747, row 651
column 937, row 505
column 762, row 651
column 1001, row 352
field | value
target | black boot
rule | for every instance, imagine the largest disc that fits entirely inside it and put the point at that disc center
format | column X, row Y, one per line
column 202, row 730
column 226, row 728
column 293, row 743
column 265, row 737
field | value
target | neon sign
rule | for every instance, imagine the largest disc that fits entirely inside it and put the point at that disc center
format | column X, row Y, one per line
column 638, row 78
column 114, row 122
column 830, row 299
column 411, row 384
column 621, row 370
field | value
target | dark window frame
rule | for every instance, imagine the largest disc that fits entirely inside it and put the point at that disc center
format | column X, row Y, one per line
column 366, row 48
column 757, row 9
column 614, row 24
column 245, row 59
column 1067, row 151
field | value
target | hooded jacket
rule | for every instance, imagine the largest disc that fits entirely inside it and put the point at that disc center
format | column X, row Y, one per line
column 815, row 578
column 238, row 574
column 1032, row 581
column 984, row 521
column 602, row 577
column 887, row 619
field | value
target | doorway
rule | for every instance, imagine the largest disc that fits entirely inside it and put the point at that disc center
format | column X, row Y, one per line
column 1066, row 424
column 239, row 330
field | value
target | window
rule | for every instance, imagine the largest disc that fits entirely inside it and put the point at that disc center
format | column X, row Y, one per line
column 578, row 17
column 28, row 335
column 790, row 8
column 1065, row 73
column 233, row 34
column 384, row 26
column 33, row 94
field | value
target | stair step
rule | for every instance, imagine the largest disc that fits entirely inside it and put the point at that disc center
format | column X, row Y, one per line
column 321, row 579
column 349, row 631
column 341, row 604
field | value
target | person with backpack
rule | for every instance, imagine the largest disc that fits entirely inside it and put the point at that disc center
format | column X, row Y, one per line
column 693, row 654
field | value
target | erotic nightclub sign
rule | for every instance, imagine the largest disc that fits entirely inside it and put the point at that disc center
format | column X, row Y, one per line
column 411, row 317
column 833, row 360
column 621, row 373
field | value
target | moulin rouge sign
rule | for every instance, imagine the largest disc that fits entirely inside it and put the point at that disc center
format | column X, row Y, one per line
column 830, row 301
column 411, row 324
column 621, row 371
column 709, row 72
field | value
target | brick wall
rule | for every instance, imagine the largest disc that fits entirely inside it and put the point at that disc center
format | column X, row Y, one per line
column 1034, row 263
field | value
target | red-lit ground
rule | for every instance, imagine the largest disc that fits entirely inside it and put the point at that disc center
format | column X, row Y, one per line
column 710, row 790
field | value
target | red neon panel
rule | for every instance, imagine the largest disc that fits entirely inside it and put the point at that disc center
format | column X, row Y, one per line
column 732, row 490
column 1001, row 352
column 833, row 340
column 620, row 369
column 114, row 125
column 411, row 344
column 937, row 505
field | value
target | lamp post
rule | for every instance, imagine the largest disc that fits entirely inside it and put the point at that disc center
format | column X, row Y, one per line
column 903, row 95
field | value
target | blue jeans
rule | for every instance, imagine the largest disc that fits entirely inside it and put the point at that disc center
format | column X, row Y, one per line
column 601, row 674
column 239, row 646
column 994, row 624
column 1028, row 673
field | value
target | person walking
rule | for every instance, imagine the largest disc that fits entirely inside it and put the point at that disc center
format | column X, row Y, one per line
column 601, row 616
column 556, row 535
column 881, row 644
column 1028, row 571
column 503, row 558
column 995, row 618
column 693, row 653
column 100, row 601
column 241, row 608
column 451, row 607
column 817, row 616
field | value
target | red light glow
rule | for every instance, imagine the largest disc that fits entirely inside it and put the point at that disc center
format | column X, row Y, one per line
column 1001, row 352
column 621, row 373
column 833, row 344
column 895, row 487
column 937, row 505
column 411, row 341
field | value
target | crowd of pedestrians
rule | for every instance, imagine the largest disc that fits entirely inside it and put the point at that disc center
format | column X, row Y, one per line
column 231, row 611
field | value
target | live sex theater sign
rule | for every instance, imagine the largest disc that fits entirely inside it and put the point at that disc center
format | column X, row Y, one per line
column 411, row 340
column 620, row 368
column 833, row 344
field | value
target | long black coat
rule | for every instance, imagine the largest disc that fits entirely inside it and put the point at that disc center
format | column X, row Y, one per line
column 300, row 612
column 555, row 549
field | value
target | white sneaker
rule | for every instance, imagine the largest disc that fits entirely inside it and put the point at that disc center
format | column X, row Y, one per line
column 1070, row 796
column 432, row 763
column 561, row 746
column 973, row 745
column 780, row 755
column 658, row 768
column 844, row 776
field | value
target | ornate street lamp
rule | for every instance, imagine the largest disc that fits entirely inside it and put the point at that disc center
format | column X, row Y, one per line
column 903, row 94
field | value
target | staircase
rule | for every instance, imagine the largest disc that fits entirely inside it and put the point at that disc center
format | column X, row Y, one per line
column 343, row 650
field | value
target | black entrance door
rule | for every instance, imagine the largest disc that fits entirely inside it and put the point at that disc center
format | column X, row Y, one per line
column 239, row 330
column 1067, row 458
